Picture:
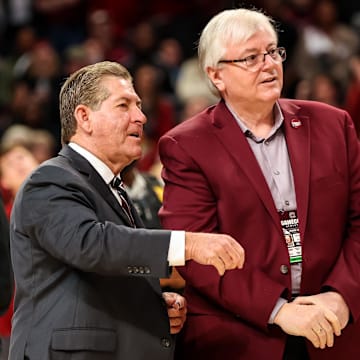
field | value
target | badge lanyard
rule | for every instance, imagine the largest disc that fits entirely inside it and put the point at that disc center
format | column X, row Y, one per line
column 290, row 225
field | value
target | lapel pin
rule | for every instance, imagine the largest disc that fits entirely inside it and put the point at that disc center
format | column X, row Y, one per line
column 296, row 123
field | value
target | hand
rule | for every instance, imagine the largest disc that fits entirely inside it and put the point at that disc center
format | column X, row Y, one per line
column 316, row 323
column 176, row 305
column 331, row 300
column 221, row 251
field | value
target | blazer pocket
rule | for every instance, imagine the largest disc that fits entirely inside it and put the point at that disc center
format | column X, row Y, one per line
column 84, row 339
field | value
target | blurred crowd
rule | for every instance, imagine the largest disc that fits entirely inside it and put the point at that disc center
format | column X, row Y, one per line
column 43, row 41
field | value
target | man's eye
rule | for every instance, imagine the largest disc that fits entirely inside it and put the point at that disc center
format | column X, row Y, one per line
column 272, row 52
column 251, row 57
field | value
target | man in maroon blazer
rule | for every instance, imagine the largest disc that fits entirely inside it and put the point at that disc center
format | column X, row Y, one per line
column 283, row 178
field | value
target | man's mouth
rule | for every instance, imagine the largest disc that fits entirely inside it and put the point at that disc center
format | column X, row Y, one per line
column 268, row 80
column 135, row 134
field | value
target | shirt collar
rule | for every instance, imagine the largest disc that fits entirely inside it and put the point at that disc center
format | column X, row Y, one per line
column 103, row 170
column 279, row 119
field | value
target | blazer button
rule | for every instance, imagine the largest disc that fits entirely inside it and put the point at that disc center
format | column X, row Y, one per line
column 130, row 269
column 165, row 342
column 147, row 270
column 284, row 269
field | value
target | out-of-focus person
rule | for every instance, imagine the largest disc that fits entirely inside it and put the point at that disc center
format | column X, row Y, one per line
column 6, row 288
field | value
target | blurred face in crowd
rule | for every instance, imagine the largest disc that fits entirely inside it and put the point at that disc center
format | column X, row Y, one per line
column 15, row 165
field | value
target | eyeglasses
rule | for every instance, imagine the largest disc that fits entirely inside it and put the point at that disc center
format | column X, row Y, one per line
column 254, row 62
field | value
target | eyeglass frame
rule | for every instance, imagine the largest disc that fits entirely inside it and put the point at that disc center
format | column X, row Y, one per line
column 280, row 51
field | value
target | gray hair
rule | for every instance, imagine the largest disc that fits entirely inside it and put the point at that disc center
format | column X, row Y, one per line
column 84, row 87
column 230, row 27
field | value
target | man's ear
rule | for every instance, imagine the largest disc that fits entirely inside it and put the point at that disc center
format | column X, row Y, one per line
column 83, row 119
column 214, row 75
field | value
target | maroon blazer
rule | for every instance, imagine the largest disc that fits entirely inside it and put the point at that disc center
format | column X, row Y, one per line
column 213, row 183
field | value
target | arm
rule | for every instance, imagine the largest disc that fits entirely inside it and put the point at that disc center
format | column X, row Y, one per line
column 343, row 278
column 76, row 226
column 64, row 217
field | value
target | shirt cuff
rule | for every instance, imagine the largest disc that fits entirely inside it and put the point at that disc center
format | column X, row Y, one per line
column 276, row 309
column 176, row 254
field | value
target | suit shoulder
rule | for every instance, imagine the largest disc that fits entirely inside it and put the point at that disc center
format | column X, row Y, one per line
column 199, row 122
column 309, row 106
column 55, row 170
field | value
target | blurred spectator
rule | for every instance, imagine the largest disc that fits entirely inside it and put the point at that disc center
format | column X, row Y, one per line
column 6, row 281
column 321, row 87
column 352, row 100
column 13, row 65
column 146, row 192
column 101, row 31
column 142, row 40
column 300, row 11
column 191, row 82
column 62, row 22
column 16, row 163
column 75, row 57
column 325, row 45
column 40, row 142
column 36, row 91
column 194, row 105
column 14, row 15
column 43, row 145
column 169, row 57
column 325, row 88
column 158, row 108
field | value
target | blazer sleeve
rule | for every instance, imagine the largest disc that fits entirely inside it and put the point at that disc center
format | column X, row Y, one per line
column 59, row 214
column 5, row 266
column 345, row 274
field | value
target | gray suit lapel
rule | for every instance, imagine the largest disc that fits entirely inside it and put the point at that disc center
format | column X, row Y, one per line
column 98, row 184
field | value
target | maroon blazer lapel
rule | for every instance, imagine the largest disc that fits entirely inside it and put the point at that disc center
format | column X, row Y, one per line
column 230, row 135
column 297, row 133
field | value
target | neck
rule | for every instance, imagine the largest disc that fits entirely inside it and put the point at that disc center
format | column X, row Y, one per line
column 259, row 122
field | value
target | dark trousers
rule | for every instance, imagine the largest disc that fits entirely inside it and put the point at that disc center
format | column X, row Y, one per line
column 295, row 349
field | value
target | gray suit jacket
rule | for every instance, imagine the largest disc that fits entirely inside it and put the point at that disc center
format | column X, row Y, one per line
column 86, row 284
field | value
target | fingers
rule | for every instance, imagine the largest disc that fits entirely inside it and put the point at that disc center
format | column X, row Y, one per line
column 218, row 264
column 174, row 300
column 218, row 250
column 333, row 320
column 234, row 254
column 176, row 308
column 330, row 316
column 324, row 334
column 176, row 325
column 313, row 321
column 170, row 298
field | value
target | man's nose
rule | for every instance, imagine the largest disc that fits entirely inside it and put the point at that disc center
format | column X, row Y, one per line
column 138, row 116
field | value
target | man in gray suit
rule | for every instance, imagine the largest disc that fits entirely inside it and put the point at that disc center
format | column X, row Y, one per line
column 86, row 272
